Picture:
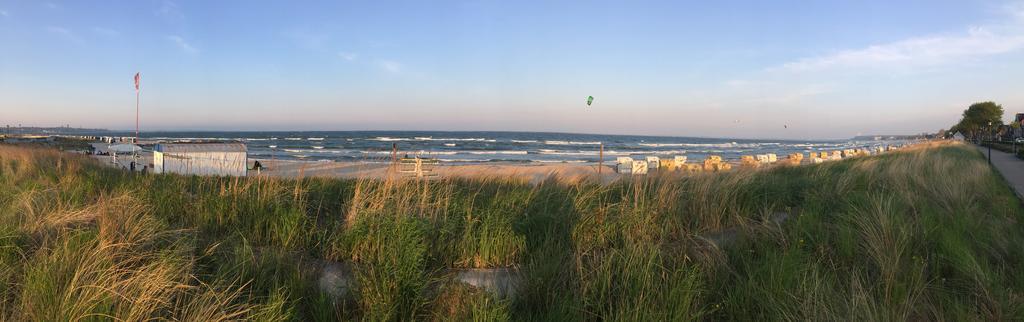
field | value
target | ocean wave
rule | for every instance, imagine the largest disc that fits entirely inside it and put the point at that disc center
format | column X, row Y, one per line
column 523, row 141
column 514, row 152
column 427, row 138
column 322, row 150
column 715, row 151
column 293, row 139
column 464, row 152
column 190, row 139
column 586, row 153
column 818, row 145
column 699, row 145
column 555, row 142
column 655, row 145
column 559, row 152
column 315, row 139
column 413, row 153
column 319, row 150
column 667, row 152
column 388, row 139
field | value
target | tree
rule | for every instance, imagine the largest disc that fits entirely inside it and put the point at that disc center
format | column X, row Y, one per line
column 977, row 118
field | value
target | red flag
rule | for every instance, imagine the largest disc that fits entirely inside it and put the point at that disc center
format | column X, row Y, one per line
column 136, row 81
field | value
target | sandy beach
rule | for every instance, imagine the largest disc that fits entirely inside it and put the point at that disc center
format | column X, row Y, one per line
column 533, row 172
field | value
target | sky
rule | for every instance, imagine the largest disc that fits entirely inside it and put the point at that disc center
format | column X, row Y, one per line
column 743, row 69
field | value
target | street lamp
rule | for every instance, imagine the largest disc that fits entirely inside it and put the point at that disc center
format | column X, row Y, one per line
column 990, row 143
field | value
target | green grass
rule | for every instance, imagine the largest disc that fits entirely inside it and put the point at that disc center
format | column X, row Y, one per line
column 923, row 234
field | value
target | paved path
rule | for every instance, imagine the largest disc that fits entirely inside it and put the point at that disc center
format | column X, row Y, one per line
column 1010, row 167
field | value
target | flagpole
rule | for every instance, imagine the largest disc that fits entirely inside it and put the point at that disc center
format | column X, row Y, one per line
column 136, row 116
column 135, row 155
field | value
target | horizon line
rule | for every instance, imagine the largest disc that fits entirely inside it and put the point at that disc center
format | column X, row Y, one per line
column 503, row 131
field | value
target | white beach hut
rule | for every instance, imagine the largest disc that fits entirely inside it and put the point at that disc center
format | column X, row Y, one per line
column 624, row 164
column 639, row 167
column 221, row 159
column 653, row 162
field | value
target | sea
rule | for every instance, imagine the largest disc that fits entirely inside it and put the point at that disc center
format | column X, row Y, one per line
column 480, row 147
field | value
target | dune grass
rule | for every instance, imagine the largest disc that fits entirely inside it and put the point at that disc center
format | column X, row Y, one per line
column 928, row 233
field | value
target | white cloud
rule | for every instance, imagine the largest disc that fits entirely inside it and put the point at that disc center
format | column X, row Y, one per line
column 184, row 45
column 390, row 65
column 805, row 79
column 792, row 95
column 51, row 5
column 1016, row 10
column 65, row 33
column 348, row 56
column 4, row 13
column 762, row 91
column 977, row 41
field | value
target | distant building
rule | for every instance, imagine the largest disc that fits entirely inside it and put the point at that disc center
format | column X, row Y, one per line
column 1018, row 130
column 958, row 137
column 220, row 159
column 1005, row 131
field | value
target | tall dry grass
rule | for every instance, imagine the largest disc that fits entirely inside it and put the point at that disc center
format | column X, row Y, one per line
column 922, row 234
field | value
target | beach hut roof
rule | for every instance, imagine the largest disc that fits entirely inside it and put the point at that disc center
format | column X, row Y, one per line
column 200, row 147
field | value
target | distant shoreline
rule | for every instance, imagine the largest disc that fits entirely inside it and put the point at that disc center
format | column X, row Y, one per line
column 149, row 134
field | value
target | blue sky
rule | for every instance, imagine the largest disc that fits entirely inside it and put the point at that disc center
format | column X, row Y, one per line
column 788, row 69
